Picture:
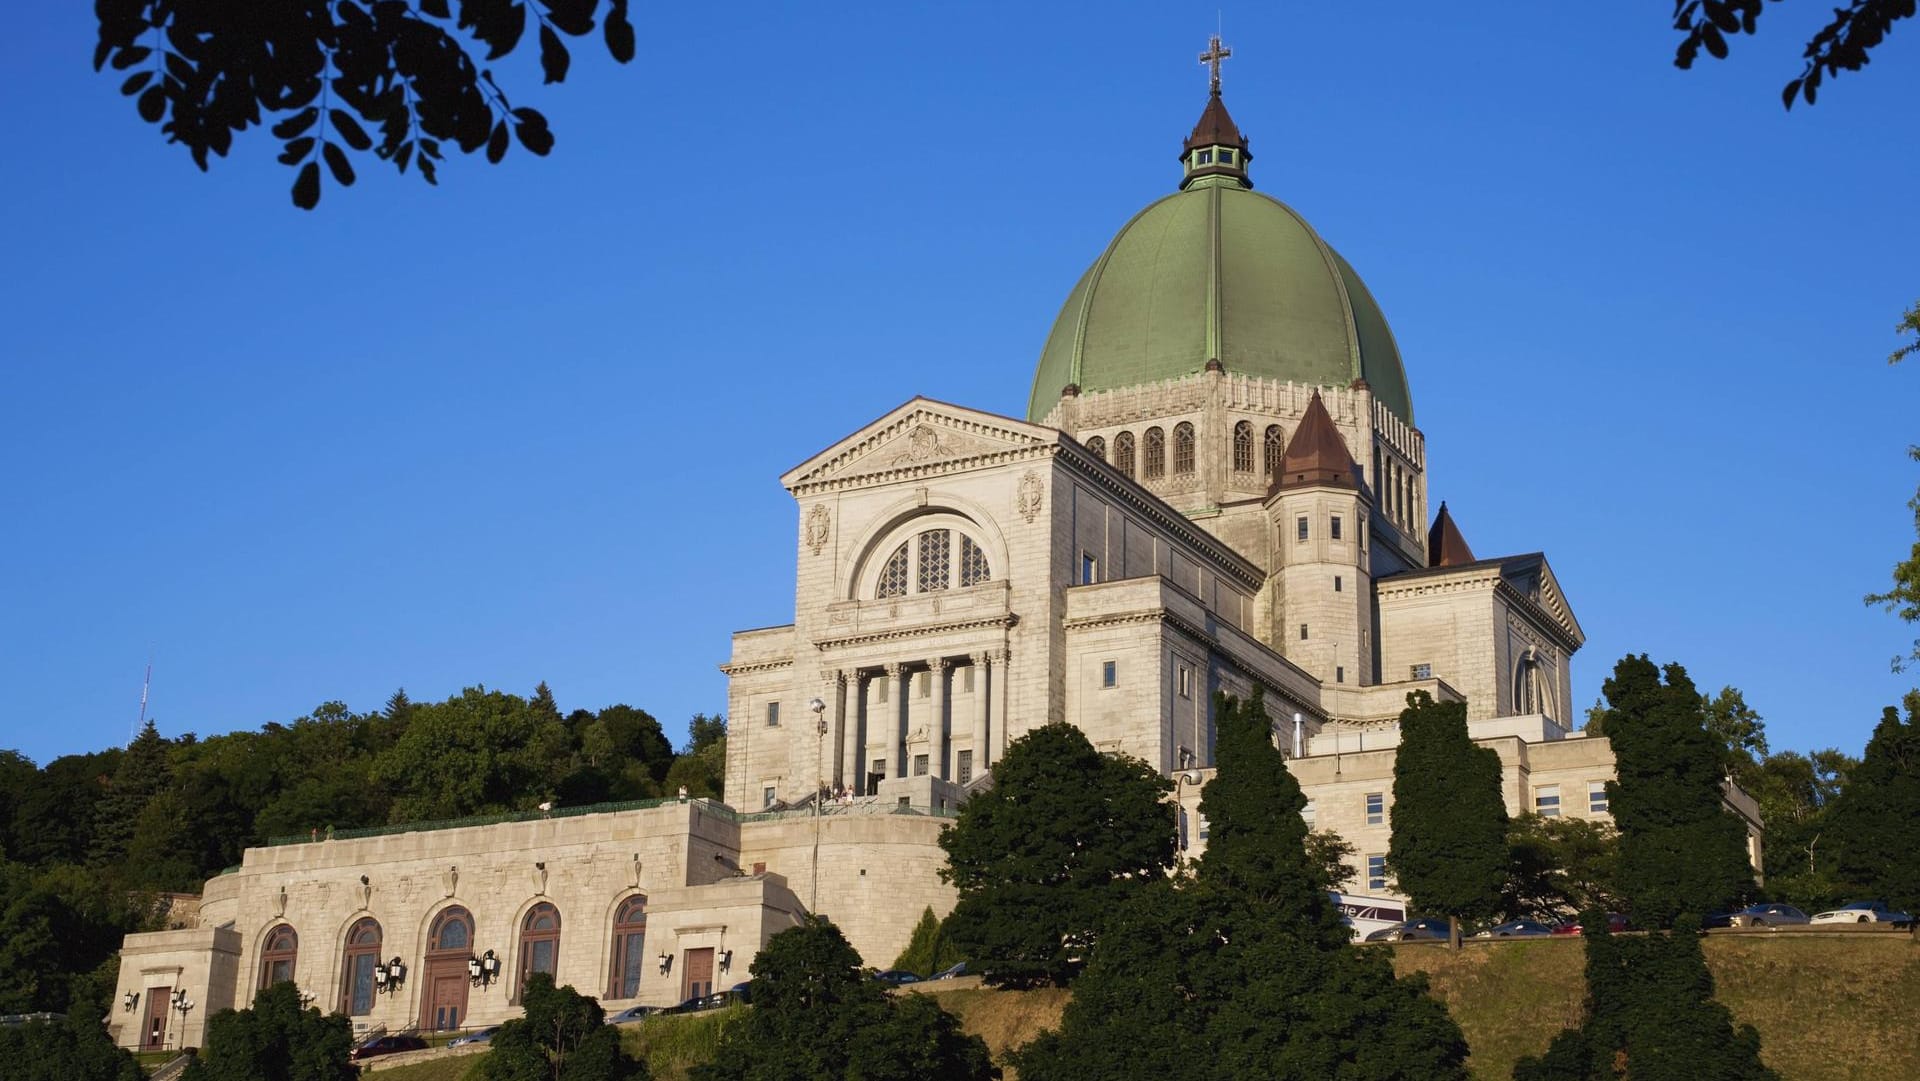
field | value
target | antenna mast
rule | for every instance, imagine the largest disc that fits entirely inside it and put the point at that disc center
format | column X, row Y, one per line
column 145, row 685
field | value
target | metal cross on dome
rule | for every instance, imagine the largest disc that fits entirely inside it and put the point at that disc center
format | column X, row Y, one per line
column 1215, row 53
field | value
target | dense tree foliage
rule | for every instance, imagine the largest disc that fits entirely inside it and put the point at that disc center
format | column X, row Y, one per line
column 930, row 950
column 816, row 1017
column 1681, row 851
column 1875, row 823
column 1559, row 867
column 71, row 1049
column 276, row 1040
column 1845, row 43
column 1448, row 849
column 562, row 1036
column 1046, row 855
column 205, row 71
column 1649, row 1016
column 1244, row 970
column 88, row 842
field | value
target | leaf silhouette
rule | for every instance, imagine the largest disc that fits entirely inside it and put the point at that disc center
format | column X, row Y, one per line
column 306, row 186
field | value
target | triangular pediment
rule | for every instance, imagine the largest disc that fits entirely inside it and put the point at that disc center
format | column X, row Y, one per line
column 922, row 435
column 1534, row 578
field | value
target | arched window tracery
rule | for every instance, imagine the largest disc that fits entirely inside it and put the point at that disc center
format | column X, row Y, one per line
column 1153, row 457
column 1182, row 449
column 893, row 575
column 973, row 563
column 1275, row 449
column 936, row 560
column 629, row 947
column 1123, row 453
column 1098, row 447
column 278, row 954
column 932, row 560
column 452, row 931
column 1243, row 447
column 539, row 942
column 362, row 953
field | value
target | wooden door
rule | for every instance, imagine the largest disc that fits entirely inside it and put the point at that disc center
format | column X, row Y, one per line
column 444, row 1004
column 154, row 1036
column 698, row 979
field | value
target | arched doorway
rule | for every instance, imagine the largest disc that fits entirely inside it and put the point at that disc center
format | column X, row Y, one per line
column 443, row 995
column 356, row 978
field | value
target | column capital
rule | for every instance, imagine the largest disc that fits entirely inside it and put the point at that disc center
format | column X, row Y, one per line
column 978, row 659
column 893, row 669
column 939, row 664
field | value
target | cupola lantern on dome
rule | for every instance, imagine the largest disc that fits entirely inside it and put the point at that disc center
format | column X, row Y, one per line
column 1216, row 147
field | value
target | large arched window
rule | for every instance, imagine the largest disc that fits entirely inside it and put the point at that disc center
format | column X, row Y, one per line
column 1275, row 449
column 277, row 956
column 1153, row 455
column 1182, row 449
column 933, row 560
column 539, row 942
column 356, row 975
column 452, row 930
column 1123, row 453
column 1243, row 447
column 1098, row 446
column 1532, row 686
column 629, row 947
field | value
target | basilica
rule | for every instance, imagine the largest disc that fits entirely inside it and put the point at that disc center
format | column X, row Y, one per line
column 1219, row 485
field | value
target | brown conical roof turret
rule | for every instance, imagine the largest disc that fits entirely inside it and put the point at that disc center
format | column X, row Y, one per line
column 1216, row 127
column 1445, row 546
column 1317, row 454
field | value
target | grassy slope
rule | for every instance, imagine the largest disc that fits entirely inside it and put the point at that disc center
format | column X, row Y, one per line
column 1828, row 1008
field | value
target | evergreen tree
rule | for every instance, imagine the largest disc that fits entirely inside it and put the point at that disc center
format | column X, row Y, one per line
column 142, row 774
column 1650, row 1016
column 1875, row 824
column 399, row 705
column 930, row 950
column 1044, row 857
column 275, row 1040
column 1449, row 834
column 562, row 1036
column 1244, row 970
column 1681, row 851
column 816, row 1017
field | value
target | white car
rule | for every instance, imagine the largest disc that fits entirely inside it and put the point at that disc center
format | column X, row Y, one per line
column 1864, row 912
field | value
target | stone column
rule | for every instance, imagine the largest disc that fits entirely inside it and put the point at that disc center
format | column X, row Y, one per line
column 937, row 670
column 1002, row 671
column 853, row 704
column 897, row 718
column 981, row 677
column 838, row 737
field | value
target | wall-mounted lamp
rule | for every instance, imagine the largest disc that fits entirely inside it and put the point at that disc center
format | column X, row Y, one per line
column 129, row 1002
column 726, row 960
column 389, row 976
column 182, row 1002
column 484, row 969
column 666, row 963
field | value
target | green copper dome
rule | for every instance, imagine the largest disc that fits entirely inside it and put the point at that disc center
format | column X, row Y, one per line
column 1219, row 271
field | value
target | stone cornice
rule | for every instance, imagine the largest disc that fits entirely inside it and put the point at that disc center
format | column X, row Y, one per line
column 1200, row 636
column 750, row 667
column 1537, row 616
column 1002, row 620
column 921, row 471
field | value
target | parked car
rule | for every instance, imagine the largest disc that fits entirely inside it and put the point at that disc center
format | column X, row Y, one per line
column 387, row 1045
column 1768, row 914
column 631, row 1013
column 1864, row 912
column 896, row 976
column 484, row 1035
column 741, row 992
column 1425, row 929
column 1514, row 929
column 1616, row 923
column 1717, row 919
column 949, row 973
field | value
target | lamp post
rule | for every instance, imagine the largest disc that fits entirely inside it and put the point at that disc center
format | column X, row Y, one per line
column 819, row 708
column 182, row 1003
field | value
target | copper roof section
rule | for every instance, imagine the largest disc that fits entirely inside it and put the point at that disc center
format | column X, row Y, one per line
column 1316, row 454
column 1445, row 546
column 1215, row 128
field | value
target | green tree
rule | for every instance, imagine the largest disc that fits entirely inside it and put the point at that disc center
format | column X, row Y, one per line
column 420, row 75
column 59, row 927
column 1875, row 823
column 275, row 1040
column 478, row 752
column 1244, row 970
column 53, row 818
column 143, row 773
column 1796, row 793
column 1558, row 867
column 930, row 950
column 1681, row 851
column 816, row 1017
column 1845, row 43
column 1650, row 1016
column 1329, row 854
column 1046, row 854
column 1448, row 849
column 1741, row 733
column 562, row 1037
column 73, row 1049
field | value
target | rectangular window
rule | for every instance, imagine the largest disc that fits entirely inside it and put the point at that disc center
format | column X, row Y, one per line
column 1307, row 814
column 879, row 767
column 1333, row 528
column 1597, row 797
column 1226, row 157
column 964, row 764
column 767, row 796
column 966, row 678
column 882, row 684
column 1202, row 820
column 1422, row 671
column 1546, row 800
column 1108, row 673
column 1376, row 808
column 919, row 765
column 1303, row 632
column 1089, row 569
column 923, row 684
column 1339, row 674
column 1186, row 682
column 1204, row 157
column 773, row 714
column 1300, row 527
column 1336, row 584
column 1376, row 872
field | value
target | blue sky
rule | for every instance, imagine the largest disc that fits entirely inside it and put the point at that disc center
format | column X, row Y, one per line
column 528, row 425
